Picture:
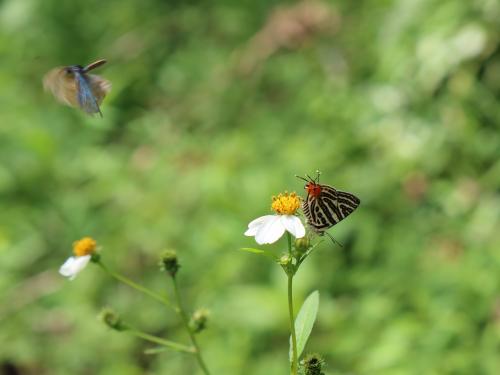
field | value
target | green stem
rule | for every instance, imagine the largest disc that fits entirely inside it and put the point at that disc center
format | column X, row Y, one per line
column 132, row 284
column 180, row 310
column 292, row 327
column 167, row 343
column 294, row 364
column 289, row 238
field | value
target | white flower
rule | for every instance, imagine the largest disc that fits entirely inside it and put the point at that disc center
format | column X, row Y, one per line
column 74, row 265
column 269, row 228
column 83, row 250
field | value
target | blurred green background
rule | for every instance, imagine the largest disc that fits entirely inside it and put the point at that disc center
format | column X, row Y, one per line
column 215, row 106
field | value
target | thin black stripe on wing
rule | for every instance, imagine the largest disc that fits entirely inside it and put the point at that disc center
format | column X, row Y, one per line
column 314, row 214
column 329, row 197
column 330, row 207
column 347, row 202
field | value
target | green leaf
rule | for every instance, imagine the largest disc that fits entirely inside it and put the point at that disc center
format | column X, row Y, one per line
column 252, row 250
column 305, row 321
column 259, row 252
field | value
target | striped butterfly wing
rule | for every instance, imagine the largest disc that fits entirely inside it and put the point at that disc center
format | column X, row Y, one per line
column 330, row 207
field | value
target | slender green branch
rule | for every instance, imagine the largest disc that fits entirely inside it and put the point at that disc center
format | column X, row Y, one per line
column 164, row 300
column 289, row 239
column 308, row 252
column 180, row 310
column 115, row 322
column 292, row 327
column 294, row 364
column 167, row 343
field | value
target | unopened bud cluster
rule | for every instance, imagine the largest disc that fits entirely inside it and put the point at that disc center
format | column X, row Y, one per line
column 169, row 262
column 286, row 262
column 301, row 246
column 312, row 364
column 198, row 321
column 112, row 320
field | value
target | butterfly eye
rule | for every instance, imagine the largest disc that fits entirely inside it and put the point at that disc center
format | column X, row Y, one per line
column 68, row 71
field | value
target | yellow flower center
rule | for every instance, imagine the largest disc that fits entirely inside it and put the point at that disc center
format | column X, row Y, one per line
column 85, row 246
column 286, row 204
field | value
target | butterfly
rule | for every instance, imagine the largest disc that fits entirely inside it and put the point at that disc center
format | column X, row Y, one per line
column 325, row 206
column 73, row 86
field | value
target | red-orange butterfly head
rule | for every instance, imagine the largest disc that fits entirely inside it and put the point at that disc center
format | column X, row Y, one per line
column 312, row 185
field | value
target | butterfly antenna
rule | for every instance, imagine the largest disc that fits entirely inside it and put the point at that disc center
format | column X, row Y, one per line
column 318, row 173
column 94, row 65
column 333, row 239
column 302, row 178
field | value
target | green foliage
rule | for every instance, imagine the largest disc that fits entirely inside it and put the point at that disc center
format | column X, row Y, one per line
column 304, row 322
column 266, row 253
column 398, row 104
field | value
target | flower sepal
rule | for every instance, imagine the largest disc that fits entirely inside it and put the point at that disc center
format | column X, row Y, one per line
column 95, row 257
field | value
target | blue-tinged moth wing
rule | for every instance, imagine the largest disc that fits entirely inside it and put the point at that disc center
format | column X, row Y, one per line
column 72, row 86
column 86, row 98
column 62, row 85
column 100, row 87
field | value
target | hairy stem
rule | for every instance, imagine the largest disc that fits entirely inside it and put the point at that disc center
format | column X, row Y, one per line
column 294, row 364
column 180, row 310
column 132, row 284
column 167, row 343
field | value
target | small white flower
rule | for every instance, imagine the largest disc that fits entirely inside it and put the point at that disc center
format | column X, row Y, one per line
column 269, row 228
column 83, row 250
column 74, row 265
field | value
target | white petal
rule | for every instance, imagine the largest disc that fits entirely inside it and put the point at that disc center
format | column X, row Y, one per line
column 74, row 265
column 271, row 231
column 293, row 225
column 254, row 225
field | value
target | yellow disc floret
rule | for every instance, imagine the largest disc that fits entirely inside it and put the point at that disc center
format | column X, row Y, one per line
column 85, row 246
column 286, row 204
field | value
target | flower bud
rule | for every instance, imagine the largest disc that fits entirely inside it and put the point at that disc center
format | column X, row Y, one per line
column 112, row 320
column 301, row 246
column 169, row 262
column 285, row 260
column 199, row 320
column 312, row 364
